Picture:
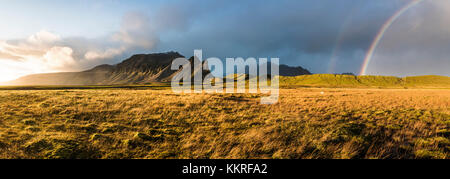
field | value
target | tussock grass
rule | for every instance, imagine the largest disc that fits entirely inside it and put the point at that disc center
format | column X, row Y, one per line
column 306, row 123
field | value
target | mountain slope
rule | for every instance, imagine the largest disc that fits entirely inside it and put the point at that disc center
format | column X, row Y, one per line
column 138, row 69
column 141, row 68
column 66, row 78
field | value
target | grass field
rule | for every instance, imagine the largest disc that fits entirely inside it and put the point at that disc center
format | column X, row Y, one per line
column 155, row 123
column 349, row 81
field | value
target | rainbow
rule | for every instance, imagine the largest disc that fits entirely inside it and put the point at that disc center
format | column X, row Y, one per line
column 380, row 34
column 337, row 45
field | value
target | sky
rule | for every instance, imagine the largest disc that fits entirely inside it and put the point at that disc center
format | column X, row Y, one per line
column 324, row 36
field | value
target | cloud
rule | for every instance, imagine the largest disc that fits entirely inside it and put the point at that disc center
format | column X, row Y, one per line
column 418, row 43
column 59, row 57
column 43, row 38
column 325, row 36
column 37, row 54
column 39, row 49
column 45, row 51
column 107, row 54
column 136, row 32
column 9, row 56
column 298, row 32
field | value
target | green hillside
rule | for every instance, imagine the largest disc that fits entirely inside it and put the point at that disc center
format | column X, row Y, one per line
column 330, row 80
column 419, row 81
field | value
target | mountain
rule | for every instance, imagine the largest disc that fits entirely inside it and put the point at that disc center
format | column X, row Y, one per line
column 138, row 69
column 293, row 71
column 141, row 69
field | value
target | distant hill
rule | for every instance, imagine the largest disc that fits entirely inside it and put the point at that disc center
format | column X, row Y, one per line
column 330, row 80
column 292, row 71
column 138, row 69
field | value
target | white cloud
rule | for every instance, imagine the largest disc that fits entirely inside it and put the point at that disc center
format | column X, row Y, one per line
column 43, row 38
column 59, row 57
column 40, row 53
column 48, row 52
column 107, row 54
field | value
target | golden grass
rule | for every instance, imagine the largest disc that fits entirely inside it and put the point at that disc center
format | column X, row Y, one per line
column 306, row 123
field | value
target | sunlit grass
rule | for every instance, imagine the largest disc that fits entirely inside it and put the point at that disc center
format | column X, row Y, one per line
column 145, row 123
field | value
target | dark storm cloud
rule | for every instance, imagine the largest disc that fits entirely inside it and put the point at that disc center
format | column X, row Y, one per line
column 299, row 32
